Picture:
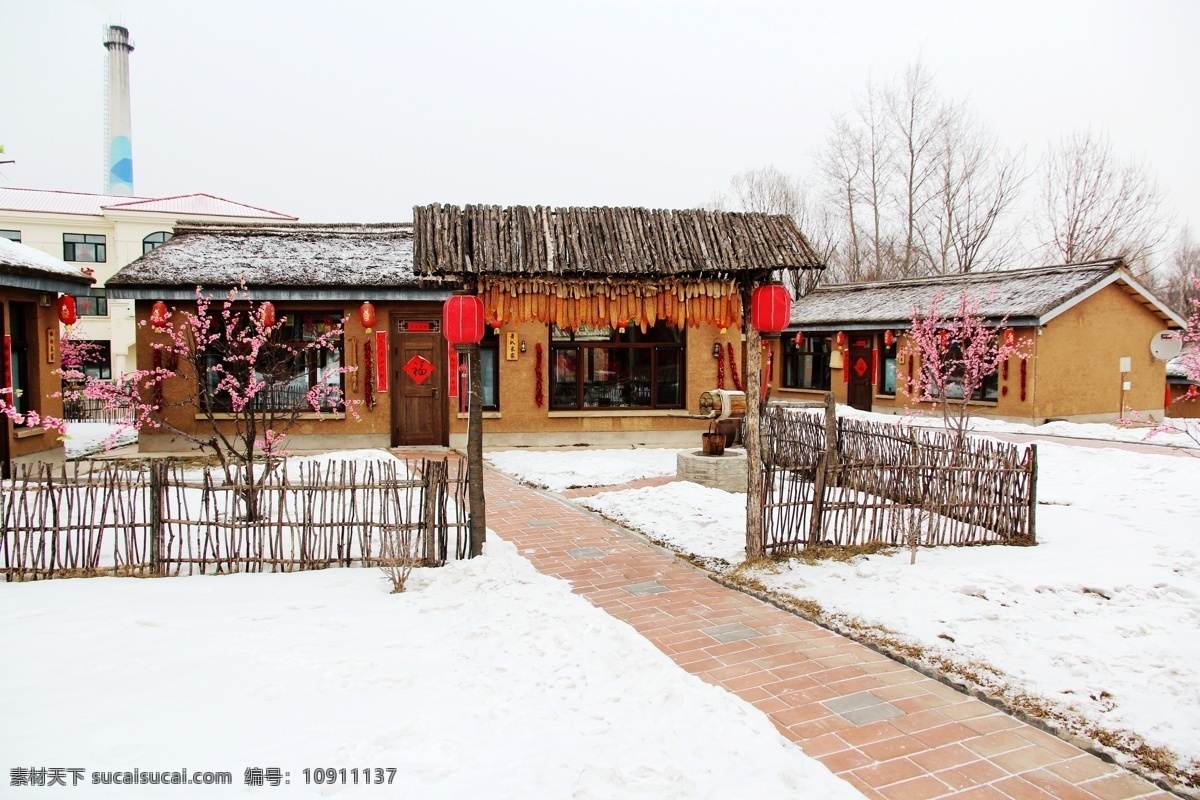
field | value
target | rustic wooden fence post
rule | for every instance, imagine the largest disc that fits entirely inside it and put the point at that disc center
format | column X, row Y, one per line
column 1032, row 478
column 157, row 490
column 433, row 474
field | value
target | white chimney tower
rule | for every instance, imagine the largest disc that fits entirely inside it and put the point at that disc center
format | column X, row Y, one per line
column 118, row 158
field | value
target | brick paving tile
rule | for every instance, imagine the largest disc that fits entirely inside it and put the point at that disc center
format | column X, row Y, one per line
column 938, row 743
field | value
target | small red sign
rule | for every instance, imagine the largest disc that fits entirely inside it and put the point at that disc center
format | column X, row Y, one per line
column 381, row 362
column 860, row 367
column 417, row 327
column 419, row 368
column 452, row 370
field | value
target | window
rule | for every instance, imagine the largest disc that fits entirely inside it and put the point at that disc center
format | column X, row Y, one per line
column 98, row 363
column 887, row 367
column 155, row 240
column 92, row 305
column 806, row 365
column 84, row 247
column 294, row 376
column 990, row 390
column 489, row 367
column 12, row 236
column 604, row 368
column 21, row 315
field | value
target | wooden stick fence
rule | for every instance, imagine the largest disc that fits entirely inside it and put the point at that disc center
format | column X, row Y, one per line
column 94, row 518
column 877, row 481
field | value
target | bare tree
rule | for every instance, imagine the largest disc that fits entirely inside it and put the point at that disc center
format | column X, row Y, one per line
column 975, row 187
column 918, row 184
column 918, row 117
column 1177, row 283
column 1097, row 206
column 769, row 190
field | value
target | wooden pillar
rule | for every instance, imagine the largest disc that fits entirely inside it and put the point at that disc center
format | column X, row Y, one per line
column 476, row 504
column 754, row 478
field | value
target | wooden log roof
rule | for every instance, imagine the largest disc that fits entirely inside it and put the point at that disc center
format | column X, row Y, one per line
column 604, row 243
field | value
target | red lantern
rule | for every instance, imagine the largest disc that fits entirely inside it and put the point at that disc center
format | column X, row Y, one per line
column 770, row 308
column 944, row 339
column 66, row 310
column 799, row 338
column 158, row 315
column 1010, row 337
column 841, row 339
column 462, row 319
column 267, row 310
column 366, row 315
column 889, row 338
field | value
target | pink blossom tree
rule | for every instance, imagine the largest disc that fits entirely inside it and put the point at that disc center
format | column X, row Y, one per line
column 74, row 352
column 956, row 352
column 1191, row 369
column 235, row 368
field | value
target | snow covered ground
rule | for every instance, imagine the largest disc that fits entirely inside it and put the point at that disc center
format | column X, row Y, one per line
column 485, row 679
column 1141, row 433
column 1100, row 618
column 89, row 438
column 557, row 470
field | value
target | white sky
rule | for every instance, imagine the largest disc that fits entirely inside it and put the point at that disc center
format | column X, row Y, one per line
column 356, row 111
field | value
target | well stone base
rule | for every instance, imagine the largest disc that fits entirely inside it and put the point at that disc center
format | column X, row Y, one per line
column 726, row 471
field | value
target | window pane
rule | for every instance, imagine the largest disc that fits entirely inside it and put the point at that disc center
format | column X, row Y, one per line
column 487, row 366
column 73, row 237
column 617, row 377
column 564, row 380
column 889, row 376
column 668, row 380
column 806, row 366
column 14, row 236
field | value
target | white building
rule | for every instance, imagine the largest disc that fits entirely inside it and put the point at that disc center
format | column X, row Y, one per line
column 104, row 233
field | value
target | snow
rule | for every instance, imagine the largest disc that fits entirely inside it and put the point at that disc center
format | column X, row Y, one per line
column 532, row 693
column 1099, row 618
column 557, row 470
column 1099, row 431
column 30, row 259
column 88, row 438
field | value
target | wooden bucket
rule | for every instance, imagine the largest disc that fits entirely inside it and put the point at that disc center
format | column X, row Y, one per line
column 714, row 444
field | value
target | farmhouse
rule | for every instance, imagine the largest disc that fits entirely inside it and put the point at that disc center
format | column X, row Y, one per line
column 1087, row 329
column 603, row 323
column 1183, row 393
column 30, row 284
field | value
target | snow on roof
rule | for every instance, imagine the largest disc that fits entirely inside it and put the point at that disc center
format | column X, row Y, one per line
column 56, row 202
column 1176, row 368
column 20, row 259
column 1027, row 294
column 298, row 255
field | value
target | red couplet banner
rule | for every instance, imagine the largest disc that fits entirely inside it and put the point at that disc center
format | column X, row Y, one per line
column 381, row 361
column 452, row 371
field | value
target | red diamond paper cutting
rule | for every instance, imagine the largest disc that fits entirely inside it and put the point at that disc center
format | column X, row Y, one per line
column 860, row 367
column 419, row 368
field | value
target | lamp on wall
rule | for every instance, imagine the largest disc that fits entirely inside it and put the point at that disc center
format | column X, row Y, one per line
column 716, row 349
column 522, row 345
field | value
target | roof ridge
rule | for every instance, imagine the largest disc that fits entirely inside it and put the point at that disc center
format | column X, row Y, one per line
column 970, row 277
column 69, row 191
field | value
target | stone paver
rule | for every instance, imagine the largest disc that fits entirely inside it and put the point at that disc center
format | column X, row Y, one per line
column 888, row 730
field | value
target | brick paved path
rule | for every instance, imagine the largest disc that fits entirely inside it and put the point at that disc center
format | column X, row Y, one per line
column 885, row 728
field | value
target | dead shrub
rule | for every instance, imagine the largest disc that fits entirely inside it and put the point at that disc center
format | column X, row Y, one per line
column 397, row 557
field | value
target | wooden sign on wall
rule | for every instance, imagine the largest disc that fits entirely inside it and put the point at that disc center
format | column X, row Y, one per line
column 510, row 346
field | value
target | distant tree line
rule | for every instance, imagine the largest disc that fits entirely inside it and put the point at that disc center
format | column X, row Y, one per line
column 910, row 183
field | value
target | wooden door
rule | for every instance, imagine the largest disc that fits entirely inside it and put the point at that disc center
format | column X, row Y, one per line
column 418, row 374
column 860, row 389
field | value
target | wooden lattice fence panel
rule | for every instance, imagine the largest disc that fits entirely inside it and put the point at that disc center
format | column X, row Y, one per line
column 885, row 478
column 98, row 518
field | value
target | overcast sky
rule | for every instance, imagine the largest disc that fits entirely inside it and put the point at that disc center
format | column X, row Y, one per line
column 356, row 111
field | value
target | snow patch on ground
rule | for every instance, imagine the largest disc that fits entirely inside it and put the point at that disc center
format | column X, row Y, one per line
column 485, row 679
column 1102, row 431
column 89, row 438
column 1100, row 616
column 557, row 470
column 709, row 524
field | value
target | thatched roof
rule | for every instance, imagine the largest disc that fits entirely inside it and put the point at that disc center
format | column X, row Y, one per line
column 1024, row 297
column 330, row 258
column 25, row 267
column 622, row 243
